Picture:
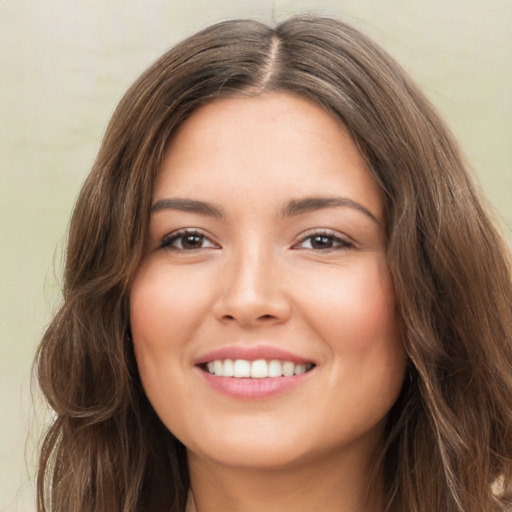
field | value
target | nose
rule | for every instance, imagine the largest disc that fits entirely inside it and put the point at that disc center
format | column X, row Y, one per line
column 252, row 291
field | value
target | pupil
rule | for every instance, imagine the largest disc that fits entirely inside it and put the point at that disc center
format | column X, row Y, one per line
column 191, row 241
column 321, row 242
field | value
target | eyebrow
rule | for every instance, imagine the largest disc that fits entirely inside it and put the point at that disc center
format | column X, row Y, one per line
column 308, row 204
column 187, row 205
column 292, row 208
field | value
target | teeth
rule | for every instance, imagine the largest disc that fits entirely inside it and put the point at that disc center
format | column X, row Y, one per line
column 228, row 370
column 275, row 368
column 300, row 368
column 242, row 368
column 288, row 368
column 217, row 367
column 258, row 369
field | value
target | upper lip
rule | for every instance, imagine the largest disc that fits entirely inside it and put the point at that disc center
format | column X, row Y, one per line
column 252, row 353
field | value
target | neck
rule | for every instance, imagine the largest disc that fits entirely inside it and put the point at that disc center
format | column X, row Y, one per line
column 326, row 485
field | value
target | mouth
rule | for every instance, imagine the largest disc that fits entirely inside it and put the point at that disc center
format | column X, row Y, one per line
column 257, row 369
column 255, row 372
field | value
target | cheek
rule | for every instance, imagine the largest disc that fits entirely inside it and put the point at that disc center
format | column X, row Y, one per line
column 355, row 306
column 358, row 322
column 165, row 309
column 362, row 330
column 165, row 305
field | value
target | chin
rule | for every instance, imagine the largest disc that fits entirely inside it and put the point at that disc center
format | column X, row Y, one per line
column 254, row 456
column 285, row 448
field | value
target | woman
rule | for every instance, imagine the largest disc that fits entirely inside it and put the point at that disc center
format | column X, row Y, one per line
column 282, row 292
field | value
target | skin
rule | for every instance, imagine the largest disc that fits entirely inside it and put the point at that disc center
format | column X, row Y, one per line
column 255, row 276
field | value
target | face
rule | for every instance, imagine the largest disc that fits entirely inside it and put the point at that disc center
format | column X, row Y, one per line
column 263, row 314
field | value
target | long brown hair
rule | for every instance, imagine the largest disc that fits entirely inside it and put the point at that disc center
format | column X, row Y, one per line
column 448, row 445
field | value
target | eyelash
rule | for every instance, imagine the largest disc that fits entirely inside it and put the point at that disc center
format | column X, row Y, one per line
column 337, row 242
column 332, row 236
column 168, row 240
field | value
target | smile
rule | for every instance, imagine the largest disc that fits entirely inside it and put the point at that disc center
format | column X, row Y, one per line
column 258, row 369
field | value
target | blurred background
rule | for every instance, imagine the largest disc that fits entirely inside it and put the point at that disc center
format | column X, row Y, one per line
column 64, row 66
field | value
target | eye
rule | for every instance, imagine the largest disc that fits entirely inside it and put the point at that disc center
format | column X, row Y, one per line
column 186, row 240
column 323, row 241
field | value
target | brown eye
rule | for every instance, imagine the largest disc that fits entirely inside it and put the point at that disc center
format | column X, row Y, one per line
column 186, row 241
column 324, row 241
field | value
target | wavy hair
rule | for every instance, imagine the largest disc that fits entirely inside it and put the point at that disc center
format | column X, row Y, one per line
column 448, row 443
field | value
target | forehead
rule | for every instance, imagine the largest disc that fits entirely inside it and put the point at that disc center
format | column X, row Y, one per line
column 263, row 146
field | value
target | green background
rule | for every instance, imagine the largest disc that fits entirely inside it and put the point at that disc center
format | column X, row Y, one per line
column 64, row 66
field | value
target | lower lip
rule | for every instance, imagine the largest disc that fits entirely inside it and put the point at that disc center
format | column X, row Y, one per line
column 253, row 389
